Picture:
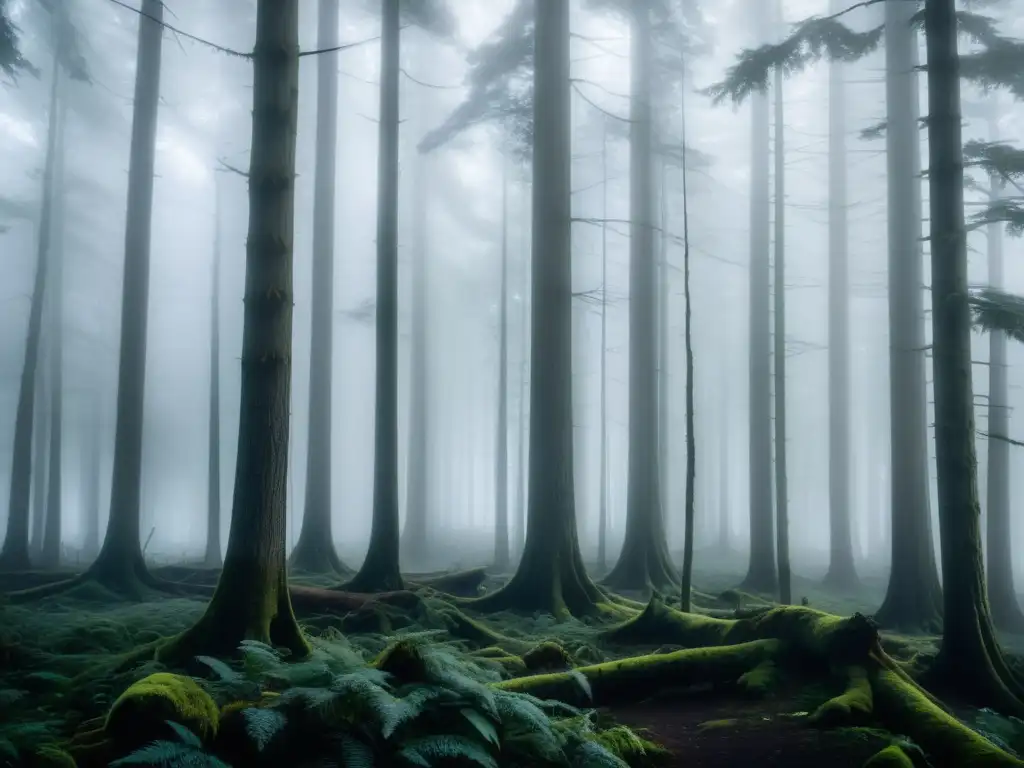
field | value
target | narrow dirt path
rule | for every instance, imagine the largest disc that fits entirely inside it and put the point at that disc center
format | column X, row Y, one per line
column 736, row 733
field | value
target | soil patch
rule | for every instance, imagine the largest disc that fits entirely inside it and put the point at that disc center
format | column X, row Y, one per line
column 730, row 732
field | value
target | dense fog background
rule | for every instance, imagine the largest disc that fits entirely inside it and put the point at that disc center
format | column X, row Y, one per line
column 204, row 133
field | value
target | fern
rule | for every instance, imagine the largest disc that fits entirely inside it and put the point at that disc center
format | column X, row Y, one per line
column 591, row 754
column 171, row 754
column 223, row 671
column 262, row 725
column 481, row 725
column 428, row 751
column 354, row 753
column 581, row 680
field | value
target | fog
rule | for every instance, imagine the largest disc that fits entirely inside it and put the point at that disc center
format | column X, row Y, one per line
column 203, row 138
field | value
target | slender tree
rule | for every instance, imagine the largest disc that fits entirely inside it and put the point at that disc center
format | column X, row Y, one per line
column 913, row 599
column 551, row 576
column 724, row 501
column 25, row 460
column 524, row 342
column 842, row 573
column 212, row 558
column 691, row 438
column 50, row 555
column 761, row 575
column 251, row 601
column 1002, row 594
column 969, row 660
column 602, row 532
column 92, row 463
column 779, row 338
column 501, row 551
column 314, row 552
column 644, row 561
column 380, row 569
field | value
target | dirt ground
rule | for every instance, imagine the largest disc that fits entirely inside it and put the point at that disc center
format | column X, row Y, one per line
column 737, row 733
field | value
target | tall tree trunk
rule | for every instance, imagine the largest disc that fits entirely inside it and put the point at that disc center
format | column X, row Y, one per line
column 52, row 531
column 602, row 531
column 314, row 552
column 1002, row 595
column 969, row 659
column 761, row 576
column 120, row 564
column 524, row 360
column 501, row 553
column 251, row 601
column 724, row 501
column 842, row 574
column 40, row 455
column 913, row 601
column 691, row 440
column 380, row 569
column 781, row 479
column 418, row 530
column 551, row 576
column 644, row 561
column 15, row 553
column 92, row 465
column 663, row 425
column 213, row 557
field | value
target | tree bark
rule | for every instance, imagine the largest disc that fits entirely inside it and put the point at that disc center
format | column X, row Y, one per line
column 969, row 659
column 252, row 601
column 314, row 551
column 913, row 600
column 15, row 553
column 93, row 466
column 761, row 575
column 50, row 555
column 380, row 570
column 724, row 473
column 501, row 553
column 1002, row 595
column 524, row 330
column 779, row 338
column 213, row 558
column 602, row 530
column 644, row 561
column 550, row 577
column 120, row 564
column 691, row 440
column 842, row 574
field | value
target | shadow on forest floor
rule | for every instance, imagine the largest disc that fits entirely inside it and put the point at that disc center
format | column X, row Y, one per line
column 46, row 646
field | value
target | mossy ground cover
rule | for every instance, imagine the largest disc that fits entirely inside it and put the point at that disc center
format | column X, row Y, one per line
column 62, row 668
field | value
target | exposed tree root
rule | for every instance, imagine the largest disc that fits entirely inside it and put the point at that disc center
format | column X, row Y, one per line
column 644, row 565
column 876, row 689
column 128, row 579
column 318, row 600
column 313, row 555
column 458, row 583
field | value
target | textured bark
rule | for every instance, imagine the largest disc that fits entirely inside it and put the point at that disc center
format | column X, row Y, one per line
column 92, row 462
column 314, row 552
column 761, row 576
column 644, row 561
column 380, row 570
column 501, row 553
column 24, row 462
column 50, row 555
column 842, row 574
column 1002, row 595
column 120, row 563
column 913, row 601
column 252, row 600
column 779, row 338
column 213, row 558
column 550, row 576
column 40, row 454
column 663, row 423
column 969, row 659
column 524, row 351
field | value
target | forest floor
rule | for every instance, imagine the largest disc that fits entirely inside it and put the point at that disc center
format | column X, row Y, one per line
column 46, row 648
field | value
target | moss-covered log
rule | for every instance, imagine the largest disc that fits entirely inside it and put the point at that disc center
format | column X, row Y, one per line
column 635, row 678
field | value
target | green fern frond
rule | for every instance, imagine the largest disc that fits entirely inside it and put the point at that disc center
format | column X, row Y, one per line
column 170, row 754
column 412, row 705
column 353, row 753
column 581, row 680
column 262, row 725
column 259, row 658
column 428, row 751
column 185, row 736
column 481, row 725
column 591, row 754
column 222, row 670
